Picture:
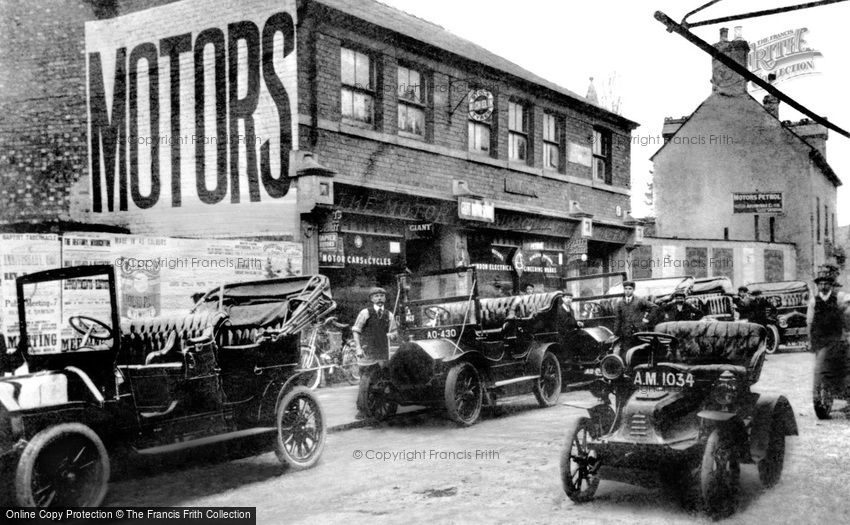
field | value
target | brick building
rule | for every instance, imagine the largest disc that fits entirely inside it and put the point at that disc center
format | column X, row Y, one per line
column 437, row 152
column 732, row 171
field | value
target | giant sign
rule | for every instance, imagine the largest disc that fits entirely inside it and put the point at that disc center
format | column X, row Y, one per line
column 191, row 118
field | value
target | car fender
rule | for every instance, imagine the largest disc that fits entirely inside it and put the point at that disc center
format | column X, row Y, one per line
column 768, row 408
column 538, row 350
column 272, row 394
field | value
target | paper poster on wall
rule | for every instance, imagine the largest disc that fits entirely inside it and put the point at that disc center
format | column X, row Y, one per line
column 21, row 254
column 85, row 296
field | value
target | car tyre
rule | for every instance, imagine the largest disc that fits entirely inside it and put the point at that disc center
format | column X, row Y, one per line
column 823, row 401
column 301, row 429
column 464, row 394
column 62, row 466
column 770, row 467
column 375, row 386
column 578, row 463
column 309, row 359
column 547, row 388
column 772, row 340
column 719, row 475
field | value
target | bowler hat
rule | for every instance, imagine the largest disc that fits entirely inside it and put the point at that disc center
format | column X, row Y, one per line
column 628, row 283
column 743, row 289
column 678, row 293
column 377, row 290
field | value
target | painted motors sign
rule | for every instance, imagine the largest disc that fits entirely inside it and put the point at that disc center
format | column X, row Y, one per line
column 190, row 113
column 787, row 55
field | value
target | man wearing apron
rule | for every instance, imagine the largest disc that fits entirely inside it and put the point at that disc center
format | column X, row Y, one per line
column 370, row 338
column 826, row 333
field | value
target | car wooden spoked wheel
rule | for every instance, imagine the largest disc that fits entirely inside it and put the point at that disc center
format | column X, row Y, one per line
column 300, row 429
column 719, row 475
column 771, row 341
column 770, row 467
column 547, row 389
column 579, row 463
column 62, row 466
column 464, row 394
column 310, row 362
column 823, row 401
column 350, row 368
column 378, row 392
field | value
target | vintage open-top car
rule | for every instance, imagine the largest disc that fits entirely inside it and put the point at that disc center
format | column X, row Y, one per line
column 790, row 300
column 678, row 407
column 460, row 351
column 229, row 369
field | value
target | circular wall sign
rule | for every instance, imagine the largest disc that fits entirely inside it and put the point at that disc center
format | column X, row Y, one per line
column 480, row 104
column 358, row 241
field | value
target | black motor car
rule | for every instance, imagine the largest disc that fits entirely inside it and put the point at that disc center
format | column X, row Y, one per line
column 787, row 317
column 678, row 408
column 460, row 351
column 151, row 385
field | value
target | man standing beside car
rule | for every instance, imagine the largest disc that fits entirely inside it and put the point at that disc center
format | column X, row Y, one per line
column 370, row 332
column 825, row 318
column 632, row 314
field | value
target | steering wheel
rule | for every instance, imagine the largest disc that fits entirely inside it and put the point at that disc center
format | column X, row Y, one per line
column 590, row 310
column 90, row 328
column 437, row 314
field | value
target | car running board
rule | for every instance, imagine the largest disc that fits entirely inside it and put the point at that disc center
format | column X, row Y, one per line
column 507, row 382
column 209, row 440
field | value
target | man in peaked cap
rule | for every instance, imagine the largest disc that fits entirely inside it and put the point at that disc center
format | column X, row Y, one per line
column 827, row 323
column 632, row 314
column 679, row 310
column 370, row 331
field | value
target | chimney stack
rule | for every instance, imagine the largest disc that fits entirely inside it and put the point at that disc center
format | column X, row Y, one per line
column 771, row 103
column 724, row 80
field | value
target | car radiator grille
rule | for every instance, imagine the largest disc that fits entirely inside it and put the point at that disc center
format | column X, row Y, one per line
column 638, row 425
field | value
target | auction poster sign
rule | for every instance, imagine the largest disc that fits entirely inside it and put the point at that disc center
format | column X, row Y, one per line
column 191, row 118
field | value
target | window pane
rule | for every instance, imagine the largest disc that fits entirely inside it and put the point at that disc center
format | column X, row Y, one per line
column 511, row 115
column 411, row 119
column 599, row 168
column 550, row 156
column 549, row 128
column 403, row 80
column 347, row 62
column 362, row 70
column 470, row 133
column 347, row 103
column 363, row 107
column 597, row 143
column 516, row 147
column 479, row 137
column 415, row 86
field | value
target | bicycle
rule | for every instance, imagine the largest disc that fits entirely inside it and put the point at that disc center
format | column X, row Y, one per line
column 329, row 351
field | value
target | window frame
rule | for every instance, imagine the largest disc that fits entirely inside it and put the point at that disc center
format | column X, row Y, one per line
column 420, row 105
column 524, row 133
column 355, row 88
column 604, row 138
column 489, row 125
column 556, row 142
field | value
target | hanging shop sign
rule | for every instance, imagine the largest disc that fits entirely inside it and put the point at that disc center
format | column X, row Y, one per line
column 480, row 104
column 587, row 227
column 758, row 202
column 786, row 55
column 476, row 209
column 191, row 118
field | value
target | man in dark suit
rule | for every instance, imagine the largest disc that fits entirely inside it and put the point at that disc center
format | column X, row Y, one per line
column 679, row 310
column 565, row 320
column 632, row 314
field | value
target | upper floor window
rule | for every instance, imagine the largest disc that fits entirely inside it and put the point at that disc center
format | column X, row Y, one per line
column 517, row 132
column 551, row 142
column 411, row 101
column 817, row 213
column 358, row 86
column 602, row 155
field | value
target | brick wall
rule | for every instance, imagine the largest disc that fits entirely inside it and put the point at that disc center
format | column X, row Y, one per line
column 43, row 148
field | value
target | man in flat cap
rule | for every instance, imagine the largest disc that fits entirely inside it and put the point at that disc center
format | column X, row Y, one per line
column 742, row 302
column 826, row 322
column 370, row 331
column 632, row 314
column 565, row 321
column 679, row 310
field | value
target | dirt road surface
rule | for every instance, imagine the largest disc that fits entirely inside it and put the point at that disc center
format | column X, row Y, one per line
column 423, row 469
